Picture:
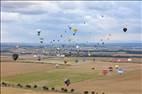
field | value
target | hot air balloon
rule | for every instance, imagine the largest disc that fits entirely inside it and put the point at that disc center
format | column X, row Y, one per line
column 102, row 16
column 124, row 29
column 74, row 34
column 110, row 69
column 94, row 59
column 61, row 36
column 67, row 82
column 116, row 66
column 89, row 54
column 41, row 40
column 58, row 48
column 98, row 44
column 120, row 71
column 108, row 38
column 65, row 62
column 17, row 46
column 77, row 46
column 69, row 39
column 69, row 27
column 109, row 34
column 74, row 30
column 50, row 42
column 15, row 56
column 38, row 32
column 76, row 60
column 63, row 45
column 39, row 58
column 84, row 22
column 57, row 65
column 103, row 43
column 129, row 59
column 104, row 72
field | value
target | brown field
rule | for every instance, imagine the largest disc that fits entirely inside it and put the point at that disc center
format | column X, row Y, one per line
column 128, row 83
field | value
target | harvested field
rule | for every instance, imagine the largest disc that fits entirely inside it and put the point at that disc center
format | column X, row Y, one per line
column 81, row 75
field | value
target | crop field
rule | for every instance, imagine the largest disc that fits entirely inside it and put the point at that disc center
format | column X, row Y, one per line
column 82, row 76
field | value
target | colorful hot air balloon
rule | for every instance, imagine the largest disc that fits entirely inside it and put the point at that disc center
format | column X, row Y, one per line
column 120, row 71
column 67, row 82
column 104, row 72
column 116, row 66
column 74, row 30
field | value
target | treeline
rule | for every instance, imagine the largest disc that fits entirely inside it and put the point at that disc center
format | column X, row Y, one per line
column 46, row 88
column 75, row 55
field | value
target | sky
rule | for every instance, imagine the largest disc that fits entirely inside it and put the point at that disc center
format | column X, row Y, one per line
column 94, row 21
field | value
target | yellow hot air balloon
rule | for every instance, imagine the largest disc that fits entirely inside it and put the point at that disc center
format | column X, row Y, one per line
column 74, row 29
column 116, row 66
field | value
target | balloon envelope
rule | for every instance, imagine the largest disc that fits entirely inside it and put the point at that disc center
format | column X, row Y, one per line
column 116, row 66
column 74, row 34
column 61, row 36
column 69, row 27
column 74, row 29
column 120, row 71
column 129, row 59
column 67, row 82
column 103, row 43
column 124, row 29
column 38, row 32
column 89, row 54
column 77, row 46
column 15, row 56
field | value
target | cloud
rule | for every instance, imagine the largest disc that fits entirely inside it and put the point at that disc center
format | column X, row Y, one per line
column 22, row 18
column 9, row 17
column 29, row 7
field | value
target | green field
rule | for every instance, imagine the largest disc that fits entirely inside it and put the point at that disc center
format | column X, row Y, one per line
column 52, row 78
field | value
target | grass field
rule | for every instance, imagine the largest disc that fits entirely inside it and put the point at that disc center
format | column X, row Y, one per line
column 81, row 75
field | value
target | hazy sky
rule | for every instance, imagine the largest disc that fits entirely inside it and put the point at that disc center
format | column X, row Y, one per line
column 20, row 20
